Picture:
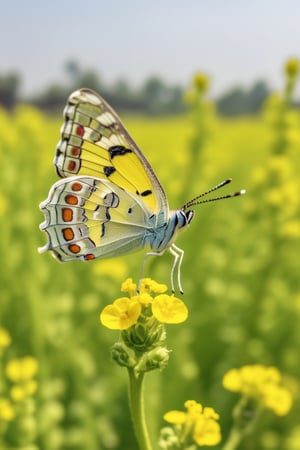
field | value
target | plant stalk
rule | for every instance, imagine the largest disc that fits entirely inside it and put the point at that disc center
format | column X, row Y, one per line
column 137, row 410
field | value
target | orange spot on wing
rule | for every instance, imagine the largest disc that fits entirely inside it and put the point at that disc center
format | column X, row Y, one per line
column 89, row 257
column 71, row 166
column 74, row 248
column 68, row 234
column 80, row 130
column 75, row 151
column 76, row 187
column 67, row 214
column 71, row 199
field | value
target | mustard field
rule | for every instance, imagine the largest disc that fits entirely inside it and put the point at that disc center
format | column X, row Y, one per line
column 59, row 388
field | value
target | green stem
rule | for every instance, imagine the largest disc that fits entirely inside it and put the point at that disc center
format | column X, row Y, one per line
column 136, row 402
column 233, row 440
column 245, row 415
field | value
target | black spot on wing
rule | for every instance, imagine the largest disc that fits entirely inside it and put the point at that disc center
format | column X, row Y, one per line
column 118, row 150
column 102, row 230
column 144, row 193
column 108, row 170
column 107, row 214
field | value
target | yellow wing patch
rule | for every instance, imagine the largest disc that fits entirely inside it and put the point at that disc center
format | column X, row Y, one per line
column 95, row 143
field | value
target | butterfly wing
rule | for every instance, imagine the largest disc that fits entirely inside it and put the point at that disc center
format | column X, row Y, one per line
column 89, row 218
column 94, row 142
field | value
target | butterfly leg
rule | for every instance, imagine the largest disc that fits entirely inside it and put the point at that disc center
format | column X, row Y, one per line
column 144, row 263
column 178, row 254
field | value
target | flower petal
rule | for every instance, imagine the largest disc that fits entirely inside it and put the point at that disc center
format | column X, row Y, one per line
column 169, row 309
column 122, row 314
column 175, row 417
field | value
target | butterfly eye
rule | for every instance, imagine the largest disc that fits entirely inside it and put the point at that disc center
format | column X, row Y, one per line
column 189, row 215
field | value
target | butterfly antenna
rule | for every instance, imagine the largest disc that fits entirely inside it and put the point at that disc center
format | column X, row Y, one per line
column 196, row 201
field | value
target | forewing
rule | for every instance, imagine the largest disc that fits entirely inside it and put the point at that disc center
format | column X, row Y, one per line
column 94, row 142
column 87, row 218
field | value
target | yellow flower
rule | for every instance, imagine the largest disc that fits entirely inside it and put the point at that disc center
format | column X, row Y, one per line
column 292, row 67
column 7, row 412
column 30, row 387
column 194, row 409
column 20, row 391
column 169, row 309
column 148, row 285
column 144, row 299
column 201, row 82
column 261, row 383
column 122, row 314
column 5, row 339
column 278, row 399
column 175, row 417
column 207, row 431
column 129, row 286
column 200, row 422
column 17, row 393
column 23, row 369
column 29, row 367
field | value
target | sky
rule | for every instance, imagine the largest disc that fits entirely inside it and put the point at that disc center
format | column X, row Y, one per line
column 232, row 41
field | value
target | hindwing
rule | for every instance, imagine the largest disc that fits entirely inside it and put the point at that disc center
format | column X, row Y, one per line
column 87, row 218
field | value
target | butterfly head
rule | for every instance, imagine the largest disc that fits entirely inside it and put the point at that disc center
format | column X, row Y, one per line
column 186, row 217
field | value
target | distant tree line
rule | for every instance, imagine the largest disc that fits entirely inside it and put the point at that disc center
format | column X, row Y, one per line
column 154, row 97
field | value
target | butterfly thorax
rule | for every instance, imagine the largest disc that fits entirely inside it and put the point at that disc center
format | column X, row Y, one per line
column 162, row 237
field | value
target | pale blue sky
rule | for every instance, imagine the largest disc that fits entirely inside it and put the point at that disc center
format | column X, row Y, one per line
column 231, row 40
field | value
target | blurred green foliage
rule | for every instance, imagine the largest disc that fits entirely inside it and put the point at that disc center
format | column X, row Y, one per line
column 154, row 97
column 240, row 274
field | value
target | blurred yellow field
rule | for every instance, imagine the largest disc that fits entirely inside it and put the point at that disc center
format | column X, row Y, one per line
column 240, row 274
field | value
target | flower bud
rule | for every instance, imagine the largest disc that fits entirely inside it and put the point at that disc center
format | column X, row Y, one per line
column 145, row 335
column 201, row 82
column 121, row 355
column 292, row 67
column 155, row 359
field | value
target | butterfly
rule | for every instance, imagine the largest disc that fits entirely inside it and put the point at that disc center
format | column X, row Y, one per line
column 109, row 201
